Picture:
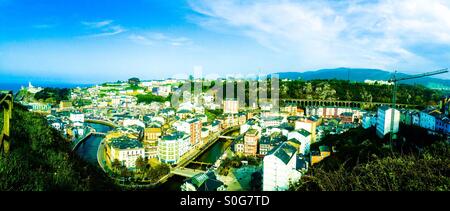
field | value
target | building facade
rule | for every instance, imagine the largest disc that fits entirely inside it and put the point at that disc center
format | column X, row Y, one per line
column 126, row 150
column 280, row 168
column 172, row 147
column 251, row 139
column 384, row 118
column 195, row 130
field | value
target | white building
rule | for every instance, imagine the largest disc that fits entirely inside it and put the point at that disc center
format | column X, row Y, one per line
column 280, row 168
column 332, row 111
column 32, row 89
column 272, row 121
column 384, row 121
column 130, row 122
column 250, row 124
column 304, row 137
column 266, row 106
column 203, row 182
column 230, row 106
column 172, row 147
column 126, row 151
column 163, row 91
column 378, row 82
column 76, row 117
column 208, row 98
column 205, row 132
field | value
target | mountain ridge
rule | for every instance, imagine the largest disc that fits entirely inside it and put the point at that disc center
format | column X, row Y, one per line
column 362, row 74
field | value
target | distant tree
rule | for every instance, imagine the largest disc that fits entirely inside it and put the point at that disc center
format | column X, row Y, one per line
column 52, row 95
column 149, row 98
column 134, row 81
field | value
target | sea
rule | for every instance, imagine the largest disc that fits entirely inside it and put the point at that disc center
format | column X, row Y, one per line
column 16, row 86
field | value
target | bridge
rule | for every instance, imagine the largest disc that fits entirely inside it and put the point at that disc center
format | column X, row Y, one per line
column 98, row 133
column 228, row 137
column 197, row 152
column 102, row 122
column 91, row 133
column 6, row 103
column 186, row 172
column 202, row 163
column 340, row 103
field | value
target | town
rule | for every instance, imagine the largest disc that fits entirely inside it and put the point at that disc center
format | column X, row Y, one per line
column 136, row 134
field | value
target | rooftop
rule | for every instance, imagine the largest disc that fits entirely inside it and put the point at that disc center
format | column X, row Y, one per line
column 174, row 136
column 205, row 181
column 304, row 132
column 192, row 120
column 124, row 142
column 252, row 132
column 284, row 152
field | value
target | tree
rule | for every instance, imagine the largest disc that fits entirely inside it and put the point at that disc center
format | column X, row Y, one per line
column 149, row 98
column 41, row 159
column 116, row 165
column 418, row 162
column 256, row 181
column 140, row 164
column 134, row 81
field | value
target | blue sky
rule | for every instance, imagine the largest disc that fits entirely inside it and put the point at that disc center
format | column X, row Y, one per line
column 85, row 41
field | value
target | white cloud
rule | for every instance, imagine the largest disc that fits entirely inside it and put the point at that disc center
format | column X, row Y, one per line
column 139, row 39
column 97, row 24
column 379, row 34
column 44, row 26
column 150, row 38
column 103, row 28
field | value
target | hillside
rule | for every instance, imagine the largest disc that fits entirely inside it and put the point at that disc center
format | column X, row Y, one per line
column 40, row 159
column 344, row 90
column 359, row 75
column 363, row 162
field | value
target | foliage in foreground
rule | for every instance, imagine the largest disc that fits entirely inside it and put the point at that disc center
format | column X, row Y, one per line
column 373, row 167
column 236, row 162
column 144, row 170
column 41, row 159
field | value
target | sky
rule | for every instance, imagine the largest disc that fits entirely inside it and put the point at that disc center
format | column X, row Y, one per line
column 85, row 41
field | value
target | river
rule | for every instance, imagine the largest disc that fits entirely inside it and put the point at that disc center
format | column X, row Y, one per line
column 210, row 156
column 88, row 149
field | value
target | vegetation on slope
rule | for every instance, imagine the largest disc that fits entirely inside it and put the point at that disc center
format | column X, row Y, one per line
column 417, row 161
column 41, row 159
column 52, row 95
column 149, row 98
column 344, row 90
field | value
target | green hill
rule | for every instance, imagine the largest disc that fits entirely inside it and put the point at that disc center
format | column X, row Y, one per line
column 41, row 159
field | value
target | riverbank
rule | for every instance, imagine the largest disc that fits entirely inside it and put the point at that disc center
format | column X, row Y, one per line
column 88, row 149
column 210, row 155
column 101, row 122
